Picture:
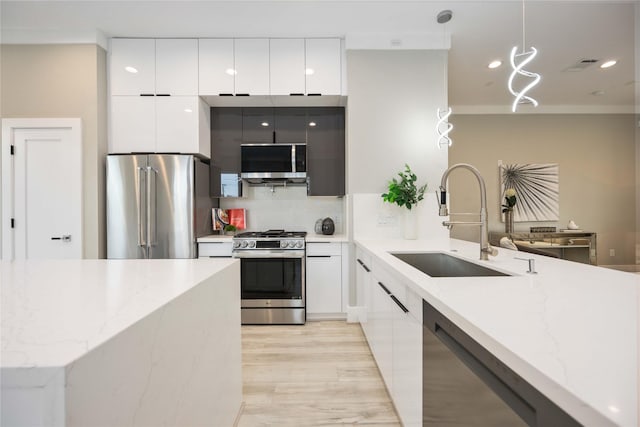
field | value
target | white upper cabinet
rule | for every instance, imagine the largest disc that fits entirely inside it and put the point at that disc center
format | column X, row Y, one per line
column 149, row 66
column 287, row 65
column 133, row 66
column 217, row 67
column 323, row 66
column 252, row 66
column 177, row 66
column 133, row 124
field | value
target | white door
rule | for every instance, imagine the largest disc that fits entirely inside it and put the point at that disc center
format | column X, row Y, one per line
column 42, row 189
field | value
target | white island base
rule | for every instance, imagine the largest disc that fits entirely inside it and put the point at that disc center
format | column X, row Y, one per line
column 121, row 343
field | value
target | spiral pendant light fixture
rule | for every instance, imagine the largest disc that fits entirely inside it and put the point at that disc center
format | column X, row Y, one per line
column 443, row 127
column 518, row 62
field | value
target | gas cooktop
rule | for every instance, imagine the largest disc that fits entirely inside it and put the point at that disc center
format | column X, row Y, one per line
column 271, row 234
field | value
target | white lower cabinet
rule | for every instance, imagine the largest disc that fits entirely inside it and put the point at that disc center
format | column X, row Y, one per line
column 407, row 364
column 324, row 278
column 393, row 328
column 215, row 249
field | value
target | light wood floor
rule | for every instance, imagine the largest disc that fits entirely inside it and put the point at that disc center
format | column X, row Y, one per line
column 319, row 374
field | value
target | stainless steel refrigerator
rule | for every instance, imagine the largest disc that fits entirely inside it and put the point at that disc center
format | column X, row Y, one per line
column 157, row 205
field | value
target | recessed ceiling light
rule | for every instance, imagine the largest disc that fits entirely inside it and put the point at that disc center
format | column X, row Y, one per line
column 130, row 69
column 265, row 124
column 231, row 71
column 609, row 63
column 309, row 71
column 188, row 110
column 614, row 409
column 312, row 124
column 495, row 64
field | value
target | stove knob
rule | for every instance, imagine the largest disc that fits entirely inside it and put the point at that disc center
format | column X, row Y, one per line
column 243, row 244
column 283, row 244
column 236, row 245
column 298, row 245
column 252, row 244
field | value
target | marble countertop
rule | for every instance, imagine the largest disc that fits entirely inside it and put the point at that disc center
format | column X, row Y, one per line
column 214, row 238
column 56, row 311
column 571, row 330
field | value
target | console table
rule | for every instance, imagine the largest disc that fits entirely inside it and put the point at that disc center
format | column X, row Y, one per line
column 579, row 246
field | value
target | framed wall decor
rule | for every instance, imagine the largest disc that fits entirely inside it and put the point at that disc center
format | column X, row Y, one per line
column 537, row 190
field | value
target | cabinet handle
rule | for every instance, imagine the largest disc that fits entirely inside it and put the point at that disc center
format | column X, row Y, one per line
column 296, row 94
column 363, row 265
column 318, row 256
column 314, row 94
column 385, row 289
column 242, row 94
column 163, row 94
column 402, row 307
column 147, row 94
column 225, row 94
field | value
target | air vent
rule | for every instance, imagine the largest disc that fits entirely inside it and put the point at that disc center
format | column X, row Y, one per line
column 581, row 65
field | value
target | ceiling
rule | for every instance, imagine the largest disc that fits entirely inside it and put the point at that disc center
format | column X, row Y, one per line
column 563, row 31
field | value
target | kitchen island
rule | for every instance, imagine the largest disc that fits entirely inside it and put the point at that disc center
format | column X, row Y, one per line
column 120, row 342
column 571, row 331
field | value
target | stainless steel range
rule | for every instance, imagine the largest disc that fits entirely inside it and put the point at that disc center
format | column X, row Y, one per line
column 272, row 276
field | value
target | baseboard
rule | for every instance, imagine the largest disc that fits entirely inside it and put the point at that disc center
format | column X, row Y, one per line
column 353, row 313
column 325, row 316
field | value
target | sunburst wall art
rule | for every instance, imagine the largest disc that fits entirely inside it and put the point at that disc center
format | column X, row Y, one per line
column 537, row 191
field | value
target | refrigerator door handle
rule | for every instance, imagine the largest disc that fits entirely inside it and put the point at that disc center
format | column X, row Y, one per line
column 142, row 205
column 151, row 206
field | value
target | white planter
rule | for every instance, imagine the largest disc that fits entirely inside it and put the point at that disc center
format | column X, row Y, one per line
column 410, row 226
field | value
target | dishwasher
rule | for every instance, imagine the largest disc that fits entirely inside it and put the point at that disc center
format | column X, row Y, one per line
column 463, row 384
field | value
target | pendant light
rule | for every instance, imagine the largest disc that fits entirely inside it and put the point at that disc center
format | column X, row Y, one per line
column 518, row 62
column 443, row 127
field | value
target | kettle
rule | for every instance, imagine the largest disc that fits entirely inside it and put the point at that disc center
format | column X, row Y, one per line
column 328, row 227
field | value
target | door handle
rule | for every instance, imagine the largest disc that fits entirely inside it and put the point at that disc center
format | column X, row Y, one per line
column 151, row 206
column 142, row 204
column 64, row 238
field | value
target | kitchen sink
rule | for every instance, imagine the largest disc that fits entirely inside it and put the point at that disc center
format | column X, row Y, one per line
column 438, row 264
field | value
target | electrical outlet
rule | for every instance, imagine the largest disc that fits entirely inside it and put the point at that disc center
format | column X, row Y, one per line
column 386, row 219
column 612, row 252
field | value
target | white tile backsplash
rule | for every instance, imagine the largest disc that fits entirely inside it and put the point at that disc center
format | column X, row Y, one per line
column 288, row 208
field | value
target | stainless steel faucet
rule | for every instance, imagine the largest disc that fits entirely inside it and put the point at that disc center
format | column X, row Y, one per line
column 485, row 248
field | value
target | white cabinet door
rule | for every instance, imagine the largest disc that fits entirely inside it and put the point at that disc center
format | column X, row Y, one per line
column 323, row 66
column 177, row 66
column 382, row 332
column 286, row 65
column 132, row 66
column 407, row 362
column 133, row 124
column 324, row 284
column 363, row 301
column 252, row 66
column 217, row 69
column 177, row 124
column 215, row 249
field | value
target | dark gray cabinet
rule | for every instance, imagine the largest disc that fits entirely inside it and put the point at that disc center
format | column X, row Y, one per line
column 325, row 151
column 274, row 125
column 322, row 128
column 226, row 139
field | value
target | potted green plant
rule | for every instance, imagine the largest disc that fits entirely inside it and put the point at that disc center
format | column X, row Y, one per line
column 230, row 229
column 406, row 193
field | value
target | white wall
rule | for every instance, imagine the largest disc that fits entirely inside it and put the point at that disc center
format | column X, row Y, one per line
column 391, row 119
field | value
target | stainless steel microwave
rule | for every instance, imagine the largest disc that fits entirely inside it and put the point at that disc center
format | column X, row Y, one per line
column 263, row 162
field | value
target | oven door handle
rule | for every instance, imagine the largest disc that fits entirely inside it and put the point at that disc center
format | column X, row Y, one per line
column 271, row 253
